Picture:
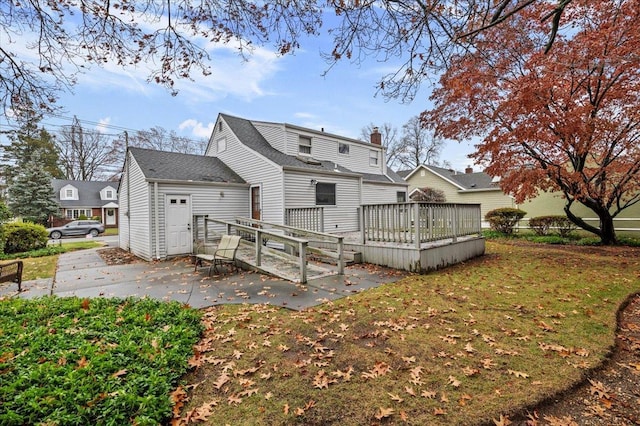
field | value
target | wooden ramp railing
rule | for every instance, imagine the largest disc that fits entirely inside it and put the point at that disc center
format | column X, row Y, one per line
column 295, row 240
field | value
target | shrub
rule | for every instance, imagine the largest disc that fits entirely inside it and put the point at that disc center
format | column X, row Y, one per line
column 23, row 236
column 541, row 225
column 82, row 217
column 504, row 219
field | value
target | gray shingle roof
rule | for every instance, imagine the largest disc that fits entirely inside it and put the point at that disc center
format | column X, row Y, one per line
column 88, row 192
column 163, row 165
column 251, row 137
column 468, row 181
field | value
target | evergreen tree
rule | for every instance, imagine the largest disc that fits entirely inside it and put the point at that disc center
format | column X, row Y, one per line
column 31, row 192
column 26, row 141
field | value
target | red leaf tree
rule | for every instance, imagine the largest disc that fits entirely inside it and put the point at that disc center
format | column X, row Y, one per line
column 567, row 120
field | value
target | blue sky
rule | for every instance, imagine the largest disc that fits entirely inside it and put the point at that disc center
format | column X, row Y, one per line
column 267, row 87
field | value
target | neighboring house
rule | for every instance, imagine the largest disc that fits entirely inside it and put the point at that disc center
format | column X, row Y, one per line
column 551, row 204
column 86, row 198
column 469, row 187
column 256, row 169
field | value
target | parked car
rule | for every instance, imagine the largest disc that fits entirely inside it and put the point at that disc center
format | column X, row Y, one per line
column 77, row 227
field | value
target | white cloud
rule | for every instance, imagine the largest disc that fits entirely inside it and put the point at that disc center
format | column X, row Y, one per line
column 103, row 123
column 197, row 128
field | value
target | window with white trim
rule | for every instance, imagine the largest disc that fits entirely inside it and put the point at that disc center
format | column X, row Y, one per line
column 325, row 194
column 304, row 145
column 401, row 197
column 109, row 194
column 76, row 213
column 343, row 148
column 69, row 193
column 374, row 157
column 222, row 145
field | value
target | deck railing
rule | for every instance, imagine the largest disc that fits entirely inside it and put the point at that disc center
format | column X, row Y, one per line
column 311, row 218
column 417, row 223
column 295, row 240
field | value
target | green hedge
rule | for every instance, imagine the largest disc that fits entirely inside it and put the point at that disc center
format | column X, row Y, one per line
column 19, row 237
column 543, row 225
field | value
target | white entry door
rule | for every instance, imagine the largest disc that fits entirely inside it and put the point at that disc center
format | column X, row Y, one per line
column 111, row 217
column 178, row 224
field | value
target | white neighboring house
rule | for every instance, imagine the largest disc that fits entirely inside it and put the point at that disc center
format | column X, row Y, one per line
column 86, row 198
column 265, row 171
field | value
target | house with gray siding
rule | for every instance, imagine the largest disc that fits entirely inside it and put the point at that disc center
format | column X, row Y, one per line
column 161, row 191
column 262, row 170
column 89, row 199
column 289, row 168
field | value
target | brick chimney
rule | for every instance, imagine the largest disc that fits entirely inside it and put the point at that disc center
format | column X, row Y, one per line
column 468, row 170
column 376, row 137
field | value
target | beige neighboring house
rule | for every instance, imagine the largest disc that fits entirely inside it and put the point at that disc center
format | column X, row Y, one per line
column 459, row 187
column 552, row 203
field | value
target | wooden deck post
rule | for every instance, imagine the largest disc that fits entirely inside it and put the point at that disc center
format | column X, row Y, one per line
column 416, row 224
column 363, row 224
column 302, row 247
column 341, row 255
column 258, row 247
column 455, row 222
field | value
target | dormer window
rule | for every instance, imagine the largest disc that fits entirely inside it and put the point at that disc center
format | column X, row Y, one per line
column 304, row 145
column 108, row 193
column 69, row 192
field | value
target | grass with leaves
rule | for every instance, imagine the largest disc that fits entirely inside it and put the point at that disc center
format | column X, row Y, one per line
column 42, row 263
column 464, row 345
column 70, row 361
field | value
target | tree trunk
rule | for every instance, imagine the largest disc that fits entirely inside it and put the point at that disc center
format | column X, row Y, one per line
column 608, row 232
column 605, row 231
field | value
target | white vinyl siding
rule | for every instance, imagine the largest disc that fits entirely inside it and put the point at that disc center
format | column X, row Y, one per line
column 343, row 217
column 373, row 193
column 257, row 170
column 274, row 134
column 205, row 199
column 135, row 229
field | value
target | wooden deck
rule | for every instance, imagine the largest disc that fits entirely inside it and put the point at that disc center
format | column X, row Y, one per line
column 415, row 237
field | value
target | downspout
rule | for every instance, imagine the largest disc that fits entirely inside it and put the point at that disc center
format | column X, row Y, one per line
column 128, row 212
column 156, row 219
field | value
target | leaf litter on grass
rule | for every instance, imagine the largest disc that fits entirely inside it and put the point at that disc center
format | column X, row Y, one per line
column 458, row 346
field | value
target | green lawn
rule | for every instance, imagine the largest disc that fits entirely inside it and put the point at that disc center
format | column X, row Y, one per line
column 457, row 346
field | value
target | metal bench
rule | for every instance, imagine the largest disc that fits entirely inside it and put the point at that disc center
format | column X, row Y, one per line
column 224, row 253
column 11, row 272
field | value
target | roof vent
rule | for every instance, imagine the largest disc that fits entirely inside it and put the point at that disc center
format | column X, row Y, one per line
column 309, row 160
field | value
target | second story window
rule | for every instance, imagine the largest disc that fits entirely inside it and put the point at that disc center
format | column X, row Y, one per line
column 373, row 158
column 69, row 193
column 109, row 194
column 343, row 148
column 304, row 145
column 222, row 145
